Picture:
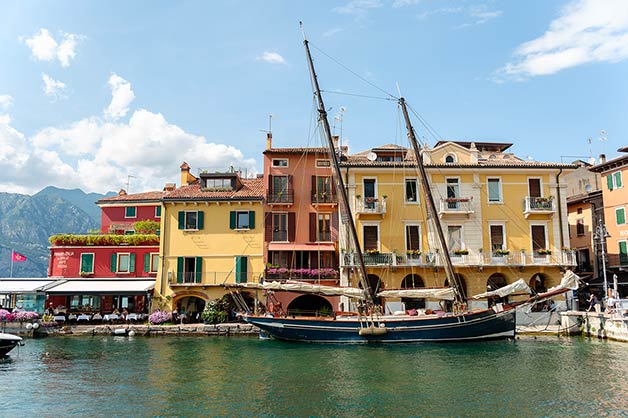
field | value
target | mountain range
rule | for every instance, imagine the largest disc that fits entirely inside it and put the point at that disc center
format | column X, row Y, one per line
column 26, row 222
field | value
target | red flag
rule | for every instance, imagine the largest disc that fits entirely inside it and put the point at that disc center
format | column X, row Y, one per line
column 17, row 257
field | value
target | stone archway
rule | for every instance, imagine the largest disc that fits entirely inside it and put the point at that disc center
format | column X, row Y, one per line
column 191, row 306
column 537, row 283
column 495, row 281
column 413, row 281
column 310, row 305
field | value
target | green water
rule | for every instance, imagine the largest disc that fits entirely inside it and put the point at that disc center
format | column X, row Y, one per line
column 244, row 376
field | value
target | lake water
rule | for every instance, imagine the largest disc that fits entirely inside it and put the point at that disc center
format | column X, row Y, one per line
column 245, row 376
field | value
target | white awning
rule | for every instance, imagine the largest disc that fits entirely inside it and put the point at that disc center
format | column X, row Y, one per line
column 23, row 285
column 111, row 286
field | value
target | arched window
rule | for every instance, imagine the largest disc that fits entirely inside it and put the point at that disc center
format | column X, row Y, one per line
column 413, row 281
column 495, row 281
column 450, row 158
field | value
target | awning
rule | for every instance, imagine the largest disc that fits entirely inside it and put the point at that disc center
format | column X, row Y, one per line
column 276, row 246
column 104, row 286
column 10, row 286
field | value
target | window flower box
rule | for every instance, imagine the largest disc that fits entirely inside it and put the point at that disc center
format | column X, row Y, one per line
column 543, row 251
column 461, row 252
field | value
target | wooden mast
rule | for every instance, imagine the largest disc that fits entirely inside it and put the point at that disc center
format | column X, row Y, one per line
column 449, row 268
column 340, row 185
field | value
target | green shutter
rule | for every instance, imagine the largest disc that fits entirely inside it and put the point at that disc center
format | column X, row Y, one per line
column 179, row 269
column 158, row 212
column 620, row 214
column 181, row 219
column 146, row 263
column 618, row 179
column 251, row 219
column 87, row 263
column 623, row 253
column 199, row 219
column 114, row 260
column 232, row 219
column 132, row 263
column 609, row 181
column 199, row 269
column 241, row 269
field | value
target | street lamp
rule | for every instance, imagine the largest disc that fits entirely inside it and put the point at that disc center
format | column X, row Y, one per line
column 600, row 235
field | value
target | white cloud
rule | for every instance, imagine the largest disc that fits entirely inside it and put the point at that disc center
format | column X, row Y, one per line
column 272, row 58
column 586, row 31
column 53, row 88
column 403, row 3
column 45, row 48
column 331, row 32
column 6, row 101
column 358, row 7
column 96, row 154
column 122, row 96
column 474, row 14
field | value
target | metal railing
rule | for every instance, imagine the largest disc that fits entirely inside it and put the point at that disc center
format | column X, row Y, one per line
column 456, row 205
column 539, row 205
column 324, row 197
column 210, row 278
column 285, row 196
column 371, row 205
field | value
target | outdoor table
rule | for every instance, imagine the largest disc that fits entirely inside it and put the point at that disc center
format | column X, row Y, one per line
column 110, row 317
column 83, row 317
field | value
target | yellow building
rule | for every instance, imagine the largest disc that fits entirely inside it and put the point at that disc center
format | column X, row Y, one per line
column 211, row 234
column 504, row 218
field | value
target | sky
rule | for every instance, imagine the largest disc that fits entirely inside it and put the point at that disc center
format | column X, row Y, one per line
column 104, row 95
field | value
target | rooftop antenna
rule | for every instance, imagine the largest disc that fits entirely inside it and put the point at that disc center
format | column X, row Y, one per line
column 603, row 140
column 270, row 125
column 128, row 182
column 338, row 118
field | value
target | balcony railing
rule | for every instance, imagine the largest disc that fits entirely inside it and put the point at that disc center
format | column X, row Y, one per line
column 210, row 278
column 456, row 205
column 564, row 258
column 282, row 273
column 371, row 205
column 283, row 197
column 539, row 205
column 324, row 198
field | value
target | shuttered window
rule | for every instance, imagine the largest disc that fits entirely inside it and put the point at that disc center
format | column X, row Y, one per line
column 494, row 190
column 87, row 263
column 623, row 253
column 497, row 237
column 413, row 237
column 620, row 216
column 534, row 187
column 538, row 237
column 241, row 265
column 151, row 262
column 191, row 220
column 123, row 262
column 242, row 219
column 371, row 237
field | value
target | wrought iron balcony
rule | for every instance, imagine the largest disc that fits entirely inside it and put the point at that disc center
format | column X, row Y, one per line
column 370, row 205
column 324, row 198
column 456, row 206
column 538, row 205
column 285, row 197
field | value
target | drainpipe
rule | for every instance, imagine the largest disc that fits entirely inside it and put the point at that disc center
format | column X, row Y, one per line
column 560, row 210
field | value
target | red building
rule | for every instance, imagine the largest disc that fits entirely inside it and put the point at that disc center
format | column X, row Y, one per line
column 120, row 212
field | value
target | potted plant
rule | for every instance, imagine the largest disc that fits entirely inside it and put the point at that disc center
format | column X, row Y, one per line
column 500, row 252
column 372, row 251
column 461, row 251
column 543, row 251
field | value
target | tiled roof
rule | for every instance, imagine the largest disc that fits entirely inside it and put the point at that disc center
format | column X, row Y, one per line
column 312, row 150
column 514, row 162
column 617, row 162
column 252, row 189
column 135, row 197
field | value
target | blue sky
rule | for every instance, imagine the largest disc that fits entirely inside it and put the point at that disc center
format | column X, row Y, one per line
column 92, row 92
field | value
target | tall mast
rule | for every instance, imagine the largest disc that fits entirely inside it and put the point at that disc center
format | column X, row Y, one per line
column 449, row 268
column 340, row 184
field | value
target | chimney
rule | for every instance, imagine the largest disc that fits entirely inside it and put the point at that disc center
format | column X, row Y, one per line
column 169, row 187
column 122, row 192
column 602, row 158
column 335, row 139
column 185, row 173
column 269, row 140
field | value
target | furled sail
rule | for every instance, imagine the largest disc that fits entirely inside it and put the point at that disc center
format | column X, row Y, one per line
column 447, row 293
column 569, row 281
column 300, row 287
column 518, row 286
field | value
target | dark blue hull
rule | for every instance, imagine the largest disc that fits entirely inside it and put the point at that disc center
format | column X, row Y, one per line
column 405, row 329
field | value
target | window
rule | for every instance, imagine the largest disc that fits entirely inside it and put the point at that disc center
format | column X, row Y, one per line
column 85, row 302
column 189, row 269
column 453, row 192
column 323, row 227
column 322, row 190
column 413, row 238
column 494, row 190
column 122, row 262
column 370, row 195
column 242, row 219
column 534, row 188
column 411, row 191
column 620, row 216
column 280, row 227
column 280, row 190
column 151, row 262
column 454, row 235
column 371, row 237
column 497, row 237
column 191, row 220
column 130, row 212
column 579, row 211
column 623, row 253
column 539, row 241
column 450, row 158
column 157, row 211
column 323, row 163
column 613, row 181
column 87, row 263
column 211, row 183
column 580, row 227
column 280, row 162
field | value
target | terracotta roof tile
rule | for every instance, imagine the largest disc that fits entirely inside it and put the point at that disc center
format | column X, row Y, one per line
column 252, row 189
column 135, row 197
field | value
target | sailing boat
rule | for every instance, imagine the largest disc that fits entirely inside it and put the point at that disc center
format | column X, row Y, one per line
column 368, row 324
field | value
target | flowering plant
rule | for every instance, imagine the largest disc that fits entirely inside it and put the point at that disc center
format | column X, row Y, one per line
column 543, row 251
column 160, row 317
column 372, row 251
column 461, row 252
column 414, row 252
column 18, row 316
column 501, row 251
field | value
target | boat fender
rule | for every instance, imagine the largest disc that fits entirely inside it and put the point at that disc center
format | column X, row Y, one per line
column 131, row 333
column 372, row 330
column 119, row 331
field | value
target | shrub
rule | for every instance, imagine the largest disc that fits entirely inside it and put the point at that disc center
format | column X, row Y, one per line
column 160, row 317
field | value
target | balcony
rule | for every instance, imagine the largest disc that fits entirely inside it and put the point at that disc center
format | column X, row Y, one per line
column 324, row 198
column 283, row 273
column 456, row 206
column 211, row 278
column 539, row 206
column 370, row 206
column 285, row 197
